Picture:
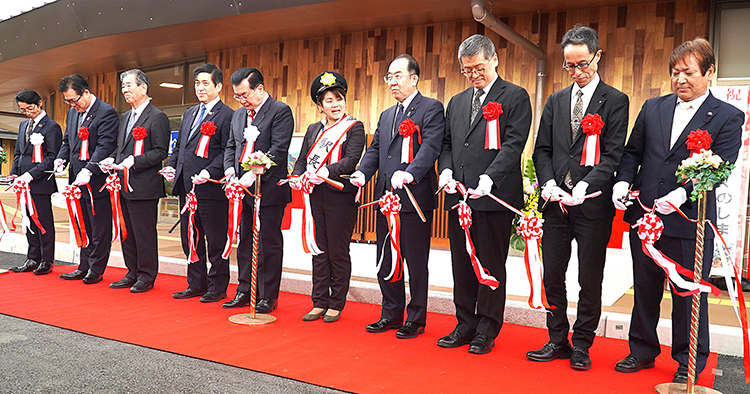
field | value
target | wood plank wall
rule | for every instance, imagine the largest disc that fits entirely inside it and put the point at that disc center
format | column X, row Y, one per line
column 636, row 41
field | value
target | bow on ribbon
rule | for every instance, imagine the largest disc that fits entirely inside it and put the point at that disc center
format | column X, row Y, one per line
column 24, row 201
column 591, row 125
column 207, row 130
column 464, row 220
column 119, row 230
column 36, row 140
column 139, row 133
column 492, row 112
column 191, row 205
column 406, row 129
column 83, row 135
column 530, row 229
column 390, row 206
column 235, row 193
column 72, row 196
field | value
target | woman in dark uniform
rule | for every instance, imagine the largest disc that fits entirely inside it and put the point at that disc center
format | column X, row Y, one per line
column 331, row 147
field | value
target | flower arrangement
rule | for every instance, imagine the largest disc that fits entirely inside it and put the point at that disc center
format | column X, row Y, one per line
column 258, row 159
column 531, row 193
column 705, row 169
column 3, row 155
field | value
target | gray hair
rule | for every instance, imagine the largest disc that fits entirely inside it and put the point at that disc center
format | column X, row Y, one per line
column 140, row 77
column 475, row 45
column 581, row 35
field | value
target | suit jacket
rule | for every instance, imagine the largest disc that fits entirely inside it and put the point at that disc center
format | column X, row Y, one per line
column 186, row 163
column 351, row 152
column 649, row 164
column 384, row 153
column 144, row 175
column 23, row 157
column 463, row 146
column 276, row 125
column 102, row 122
column 555, row 153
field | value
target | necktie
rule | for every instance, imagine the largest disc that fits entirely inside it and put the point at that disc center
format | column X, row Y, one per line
column 198, row 120
column 575, row 125
column 131, row 123
column 397, row 119
column 682, row 116
column 81, row 117
column 476, row 105
column 250, row 117
column 29, row 128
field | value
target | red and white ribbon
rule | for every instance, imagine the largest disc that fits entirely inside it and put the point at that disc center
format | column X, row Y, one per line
column 72, row 196
column 235, row 193
column 464, row 220
column 251, row 135
column 407, row 129
column 492, row 112
column 207, row 130
column 191, row 205
column 390, row 206
column 530, row 229
column 591, row 125
column 119, row 230
column 36, row 140
column 327, row 146
column 3, row 222
column 24, row 202
column 83, row 135
column 309, row 243
column 139, row 134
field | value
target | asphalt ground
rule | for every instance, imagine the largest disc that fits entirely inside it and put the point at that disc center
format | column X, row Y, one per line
column 37, row 358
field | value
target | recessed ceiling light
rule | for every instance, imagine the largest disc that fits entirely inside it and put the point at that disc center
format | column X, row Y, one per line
column 170, row 85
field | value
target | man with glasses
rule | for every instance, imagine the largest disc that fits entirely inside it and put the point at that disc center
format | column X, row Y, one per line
column 90, row 137
column 485, row 160
column 38, row 143
column 266, row 125
column 399, row 129
column 197, row 158
column 567, row 178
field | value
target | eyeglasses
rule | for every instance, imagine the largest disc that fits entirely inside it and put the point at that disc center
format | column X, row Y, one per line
column 474, row 71
column 27, row 110
column 73, row 102
column 580, row 66
column 243, row 97
column 398, row 77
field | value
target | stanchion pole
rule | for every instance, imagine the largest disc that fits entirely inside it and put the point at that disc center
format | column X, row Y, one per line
column 691, row 387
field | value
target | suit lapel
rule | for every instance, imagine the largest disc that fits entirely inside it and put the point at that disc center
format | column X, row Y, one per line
column 123, row 129
column 597, row 100
column 702, row 116
column 206, row 118
column 495, row 94
column 666, row 113
column 564, row 109
column 408, row 113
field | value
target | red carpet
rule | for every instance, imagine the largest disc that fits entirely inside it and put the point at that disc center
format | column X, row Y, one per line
column 341, row 355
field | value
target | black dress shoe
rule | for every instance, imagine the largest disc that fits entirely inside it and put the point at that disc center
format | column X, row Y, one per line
column 481, row 344
column 456, row 338
column 240, row 300
column 188, row 293
column 579, row 359
column 75, row 275
column 45, row 267
column 141, row 287
column 123, row 283
column 383, row 325
column 92, row 277
column 550, row 352
column 266, row 305
column 28, row 266
column 631, row 364
column 410, row 330
column 681, row 375
column 213, row 296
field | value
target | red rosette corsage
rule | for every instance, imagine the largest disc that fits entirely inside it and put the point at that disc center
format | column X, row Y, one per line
column 140, row 133
column 407, row 128
column 698, row 140
column 592, row 124
column 492, row 110
column 208, row 128
column 83, row 133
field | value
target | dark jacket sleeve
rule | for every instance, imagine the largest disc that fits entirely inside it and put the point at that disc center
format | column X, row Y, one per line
column 516, row 133
column 355, row 143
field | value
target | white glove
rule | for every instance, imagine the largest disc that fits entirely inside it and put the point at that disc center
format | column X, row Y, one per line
column 619, row 194
column 483, row 188
column 247, row 179
column 677, row 197
column 59, row 166
column 446, row 181
column 106, row 164
column 317, row 178
column 229, row 172
column 552, row 192
column 401, row 178
column 168, row 173
column 26, row 177
column 357, row 179
column 201, row 178
column 577, row 194
column 295, row 184
column 83, row 177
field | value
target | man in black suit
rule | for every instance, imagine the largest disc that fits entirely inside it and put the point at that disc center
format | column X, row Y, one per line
column 557, row 158
column 101, row 121
column 469, row 156
column 266, row 125
column 38, row 143
column 192, row 163
column 652, row 156
column 141, row 157
column 395, row 172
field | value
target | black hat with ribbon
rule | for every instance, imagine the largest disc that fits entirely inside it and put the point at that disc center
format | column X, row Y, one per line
column 324, row 81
